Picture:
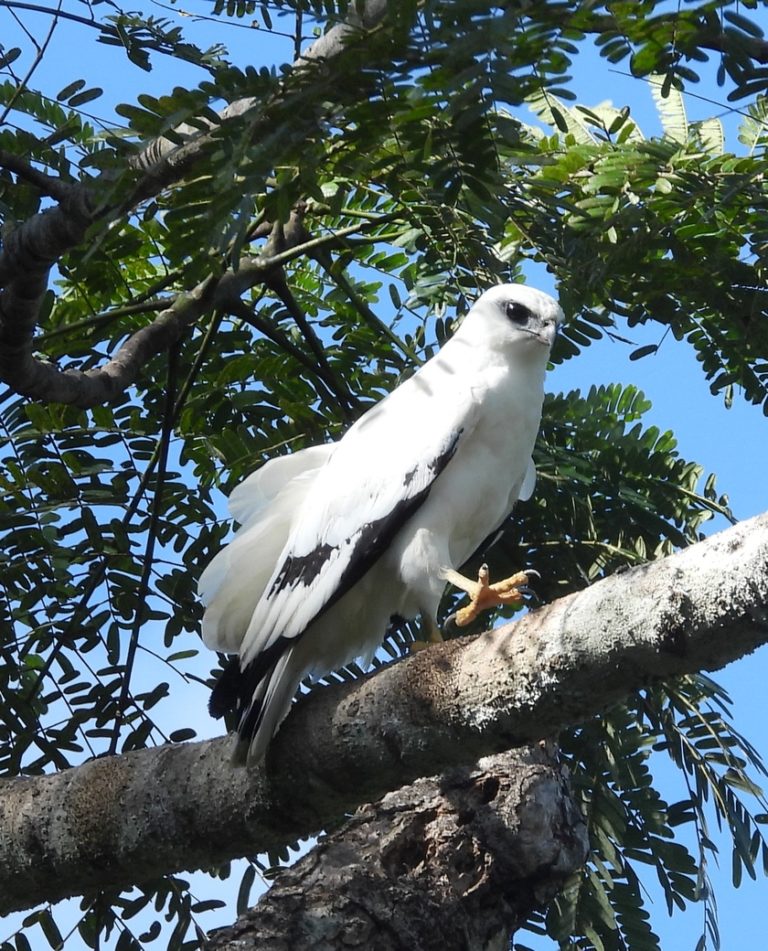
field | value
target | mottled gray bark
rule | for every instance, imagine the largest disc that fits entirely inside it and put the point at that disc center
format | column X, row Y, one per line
column 119, row 820
column 450, row 863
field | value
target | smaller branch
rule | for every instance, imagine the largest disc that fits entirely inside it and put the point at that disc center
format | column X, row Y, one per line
column 47, row 184
column 31, row 376
column 29, row 36
column 298, row 33
column 200, row 357
column 100, row 570
column 260, row 228
column 330, row 240
column 361, row 306
column 754, row 47
column 201, row 18
column 58, row 14
column 149, row 549
column 238, row 308
column 164, row 161
column 347, row 402
column 33, row 68
column 100, row 320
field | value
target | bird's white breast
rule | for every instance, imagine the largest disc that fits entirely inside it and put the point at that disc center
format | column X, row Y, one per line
column 475, row 492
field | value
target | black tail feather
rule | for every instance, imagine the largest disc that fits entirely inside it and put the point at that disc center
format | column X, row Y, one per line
column 235, row 693
column 227, row 691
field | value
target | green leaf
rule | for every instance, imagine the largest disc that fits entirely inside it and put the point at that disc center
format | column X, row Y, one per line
column 244, row 891
column 87, row 96
column 50, row 930
column 68, row 91
column 644, row 351
column 671, row 106
column 180, row 736
column 9, row 56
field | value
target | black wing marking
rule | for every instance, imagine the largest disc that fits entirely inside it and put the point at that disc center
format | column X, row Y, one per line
column 374, row 538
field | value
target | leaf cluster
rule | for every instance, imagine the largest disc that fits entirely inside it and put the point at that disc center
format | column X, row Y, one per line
column 631, row 826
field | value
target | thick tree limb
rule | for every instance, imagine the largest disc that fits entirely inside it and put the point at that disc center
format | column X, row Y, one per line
column 165, row 161
column 47, row 184
column 453, row 862
column 117, row 820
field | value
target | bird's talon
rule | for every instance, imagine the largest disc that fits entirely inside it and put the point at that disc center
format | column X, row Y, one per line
column 450, row 626
column 484, row 595
column 433, row 632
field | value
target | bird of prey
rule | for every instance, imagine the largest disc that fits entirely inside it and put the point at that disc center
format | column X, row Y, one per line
column 335, row 540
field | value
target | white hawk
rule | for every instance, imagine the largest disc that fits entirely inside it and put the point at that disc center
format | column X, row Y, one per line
column 335, row 540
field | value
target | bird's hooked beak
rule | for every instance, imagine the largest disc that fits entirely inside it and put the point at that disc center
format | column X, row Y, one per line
column 546, row 334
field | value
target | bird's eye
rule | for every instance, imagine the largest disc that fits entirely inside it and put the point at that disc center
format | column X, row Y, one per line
column 518, row 313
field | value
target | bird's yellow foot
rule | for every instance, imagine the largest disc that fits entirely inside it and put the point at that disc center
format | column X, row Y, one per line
column 484, row 595
column 434, row 635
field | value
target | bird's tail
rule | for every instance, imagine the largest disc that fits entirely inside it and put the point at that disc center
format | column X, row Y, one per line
column 261, row 695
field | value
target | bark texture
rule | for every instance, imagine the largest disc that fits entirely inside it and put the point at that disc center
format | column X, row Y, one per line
column 119, row 820
column 454, row 862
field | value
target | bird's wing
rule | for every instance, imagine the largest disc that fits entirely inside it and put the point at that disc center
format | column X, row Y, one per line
column 529, row 483
column 376, row 480
column 265, row 504
column 248, row 499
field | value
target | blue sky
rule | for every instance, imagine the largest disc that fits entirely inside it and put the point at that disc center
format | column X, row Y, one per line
column 732, row 443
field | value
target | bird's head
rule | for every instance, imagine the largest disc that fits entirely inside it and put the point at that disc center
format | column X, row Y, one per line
column 518, row 314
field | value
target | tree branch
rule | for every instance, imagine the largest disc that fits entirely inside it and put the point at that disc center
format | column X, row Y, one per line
column 39, row 379
column 164, row 161
column 36, row 244
column 457, row 861
column 47, row 184
column 59, row 15
column 31, row 250
column 238, row 308
column 117, row 820
column 347, row 401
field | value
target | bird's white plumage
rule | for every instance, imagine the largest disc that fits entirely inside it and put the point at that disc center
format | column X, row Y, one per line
column 336, row 539
column 265, row 504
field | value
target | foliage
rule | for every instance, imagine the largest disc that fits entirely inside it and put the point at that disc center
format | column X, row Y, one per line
column 630, row 824
column 417, row 180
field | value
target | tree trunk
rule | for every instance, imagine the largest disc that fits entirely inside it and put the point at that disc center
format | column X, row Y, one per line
column 453, row 862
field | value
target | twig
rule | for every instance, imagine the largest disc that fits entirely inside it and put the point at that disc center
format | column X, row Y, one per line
column 40, row 379
column 277, row 283
column 238, row 308
column 149, row 550
column 36, row 62
column 100, row 570
column 58, row 13
column 100, row 320
column 46, row 183
column 361, row 306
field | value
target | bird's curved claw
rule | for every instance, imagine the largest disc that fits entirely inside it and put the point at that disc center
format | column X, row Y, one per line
column 450, row 627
